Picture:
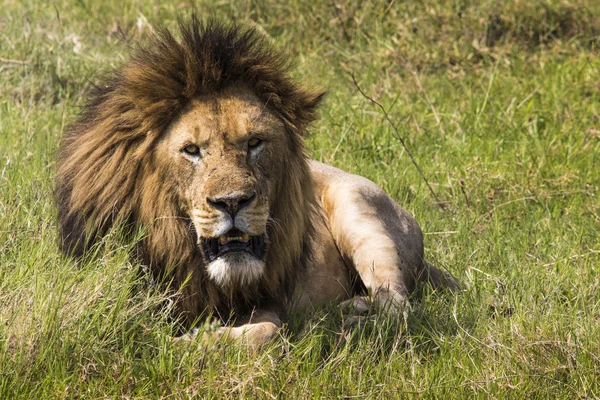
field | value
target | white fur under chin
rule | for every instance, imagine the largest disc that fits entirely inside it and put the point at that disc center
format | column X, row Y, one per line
column 237, row 269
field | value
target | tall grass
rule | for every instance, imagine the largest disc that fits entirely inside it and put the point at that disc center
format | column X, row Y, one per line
column 499, row 103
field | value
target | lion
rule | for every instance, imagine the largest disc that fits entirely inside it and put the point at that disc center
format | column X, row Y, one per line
column 198, row 140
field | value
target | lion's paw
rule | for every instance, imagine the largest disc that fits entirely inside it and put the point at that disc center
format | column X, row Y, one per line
column 355, row 322
column 358, row 305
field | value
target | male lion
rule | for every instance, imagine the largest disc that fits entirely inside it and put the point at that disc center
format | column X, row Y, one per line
column 199, row 141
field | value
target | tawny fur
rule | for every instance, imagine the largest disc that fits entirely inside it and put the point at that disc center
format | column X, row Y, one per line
column 107, row 171
column 119, row 165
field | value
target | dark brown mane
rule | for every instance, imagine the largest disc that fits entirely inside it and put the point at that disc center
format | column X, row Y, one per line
column 106, row 172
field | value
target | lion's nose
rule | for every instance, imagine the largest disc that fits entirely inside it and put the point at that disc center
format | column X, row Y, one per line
column 232, row 203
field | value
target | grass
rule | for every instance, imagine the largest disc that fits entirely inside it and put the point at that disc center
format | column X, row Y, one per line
column 500, row 104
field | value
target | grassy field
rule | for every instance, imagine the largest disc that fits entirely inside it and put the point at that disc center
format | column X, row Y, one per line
column 498, row 101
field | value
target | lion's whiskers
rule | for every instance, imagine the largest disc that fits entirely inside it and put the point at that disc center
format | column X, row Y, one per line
column 275, row 223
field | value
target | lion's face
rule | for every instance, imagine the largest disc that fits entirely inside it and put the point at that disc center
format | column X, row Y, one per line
column 221, row 154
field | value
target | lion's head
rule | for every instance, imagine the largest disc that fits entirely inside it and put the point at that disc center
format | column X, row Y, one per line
column 224, row 157
column 199, row 141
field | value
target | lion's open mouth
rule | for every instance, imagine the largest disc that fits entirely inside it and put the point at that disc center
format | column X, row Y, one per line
column 234, row 241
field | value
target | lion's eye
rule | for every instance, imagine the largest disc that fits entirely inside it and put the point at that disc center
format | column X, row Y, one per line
column 192, row 149
column 254, row 142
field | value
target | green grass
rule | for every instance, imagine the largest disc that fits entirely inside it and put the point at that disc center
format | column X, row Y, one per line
column 500, row 104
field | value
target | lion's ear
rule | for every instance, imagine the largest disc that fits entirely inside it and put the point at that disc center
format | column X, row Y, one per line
column 305, row 110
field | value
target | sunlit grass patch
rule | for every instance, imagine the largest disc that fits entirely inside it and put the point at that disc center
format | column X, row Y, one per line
column 499, row 103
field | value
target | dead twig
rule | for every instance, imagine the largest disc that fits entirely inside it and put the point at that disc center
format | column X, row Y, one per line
column 397, row 135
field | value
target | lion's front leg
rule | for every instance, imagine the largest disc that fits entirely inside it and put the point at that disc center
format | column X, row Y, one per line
column 260, row 328
column 254, row 331
column 381, row 241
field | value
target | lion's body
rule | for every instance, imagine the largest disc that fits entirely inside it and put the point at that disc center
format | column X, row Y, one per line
column 199, row 142
column 361, row 235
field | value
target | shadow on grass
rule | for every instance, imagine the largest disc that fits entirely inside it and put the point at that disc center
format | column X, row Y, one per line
column 436, row 319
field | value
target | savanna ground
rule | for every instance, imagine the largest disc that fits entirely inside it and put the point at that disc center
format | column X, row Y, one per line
column 499, row 103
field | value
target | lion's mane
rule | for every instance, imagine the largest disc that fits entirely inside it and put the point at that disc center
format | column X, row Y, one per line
column 107, row 173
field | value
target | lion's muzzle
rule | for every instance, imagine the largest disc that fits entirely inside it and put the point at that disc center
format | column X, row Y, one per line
column 235, row 258
column 234, row 241
column 232, row 203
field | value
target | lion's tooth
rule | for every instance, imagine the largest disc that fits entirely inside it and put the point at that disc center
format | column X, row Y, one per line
column 245, row 237
column 222, row 239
